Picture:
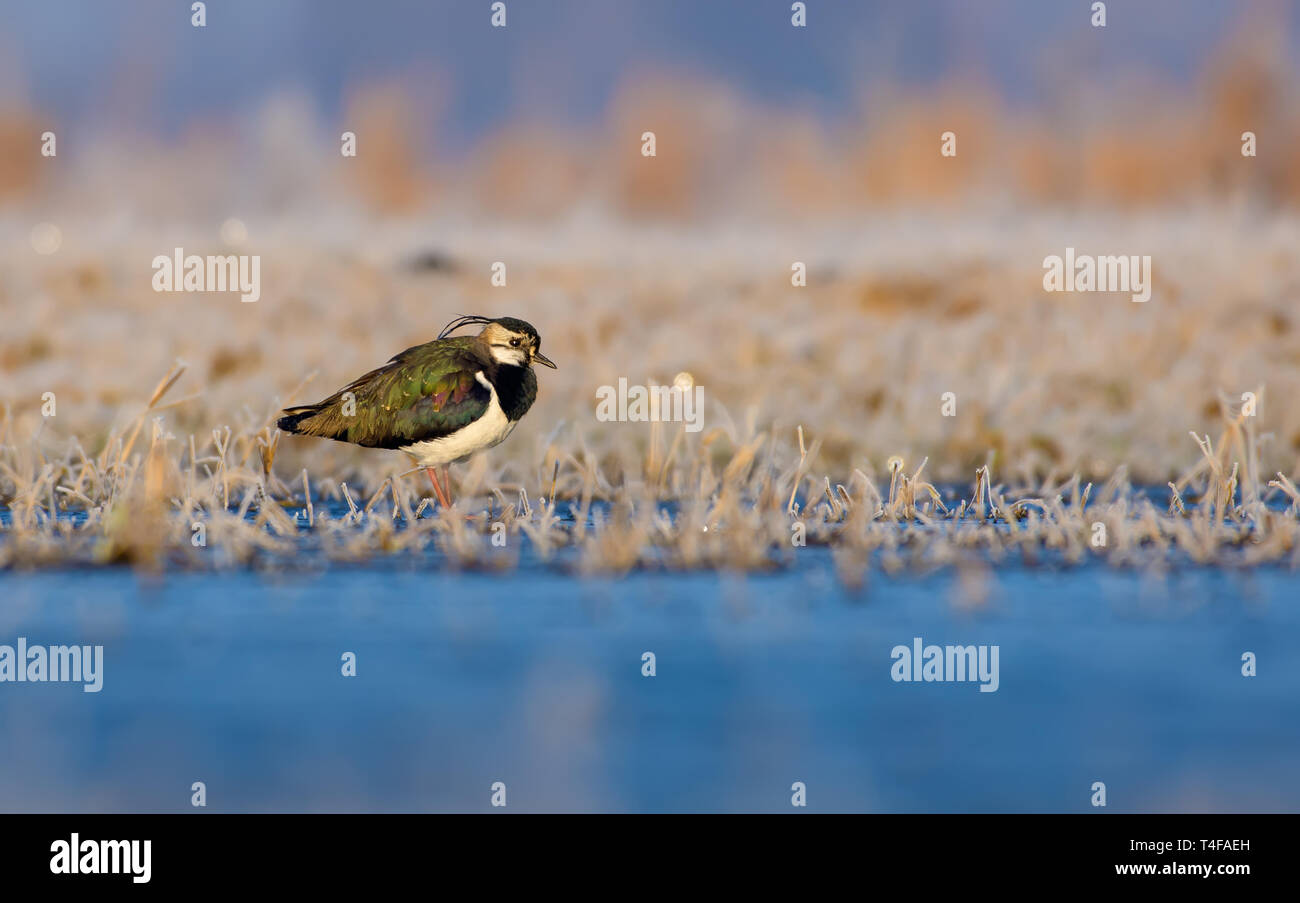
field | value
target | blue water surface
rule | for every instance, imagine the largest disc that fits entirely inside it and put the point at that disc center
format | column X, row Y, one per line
column 534, row 678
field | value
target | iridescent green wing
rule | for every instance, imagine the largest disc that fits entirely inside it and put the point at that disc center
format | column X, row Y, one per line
column 426, row 392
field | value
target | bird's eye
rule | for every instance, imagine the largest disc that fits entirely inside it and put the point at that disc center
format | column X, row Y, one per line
column 514, row 343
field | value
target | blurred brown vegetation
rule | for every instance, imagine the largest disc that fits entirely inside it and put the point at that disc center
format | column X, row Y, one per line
column 20, row 168
column 720, row 154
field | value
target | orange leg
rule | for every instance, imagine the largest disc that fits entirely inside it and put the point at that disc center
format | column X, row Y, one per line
column 446, row 482
column 438, row 490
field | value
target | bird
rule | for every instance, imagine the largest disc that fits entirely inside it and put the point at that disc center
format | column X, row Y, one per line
column 440, row 403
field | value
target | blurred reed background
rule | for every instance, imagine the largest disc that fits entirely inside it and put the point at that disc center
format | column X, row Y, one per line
column 774, row 145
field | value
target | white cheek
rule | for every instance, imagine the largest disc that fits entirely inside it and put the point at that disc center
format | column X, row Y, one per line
column 513, row 356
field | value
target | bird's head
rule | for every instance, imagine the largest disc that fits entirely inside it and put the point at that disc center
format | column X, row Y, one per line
column 509, row 341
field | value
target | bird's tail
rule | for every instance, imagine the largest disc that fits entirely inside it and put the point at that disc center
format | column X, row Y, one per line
column 293, row 419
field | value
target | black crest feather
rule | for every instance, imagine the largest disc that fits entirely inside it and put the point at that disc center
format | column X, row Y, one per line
column 467, row 320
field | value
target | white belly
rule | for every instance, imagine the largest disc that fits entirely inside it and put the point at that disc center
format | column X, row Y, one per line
column 489, row 430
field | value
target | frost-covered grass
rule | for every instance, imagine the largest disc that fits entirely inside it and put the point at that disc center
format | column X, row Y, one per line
column 812, row 393
column 742, row 502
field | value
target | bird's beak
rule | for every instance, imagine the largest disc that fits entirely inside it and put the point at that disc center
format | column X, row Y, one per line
column 543, row 359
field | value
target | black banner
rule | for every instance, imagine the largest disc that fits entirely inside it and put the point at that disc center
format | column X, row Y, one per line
column 334, row 852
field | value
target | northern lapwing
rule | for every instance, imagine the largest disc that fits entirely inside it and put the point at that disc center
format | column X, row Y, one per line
column 440, row 402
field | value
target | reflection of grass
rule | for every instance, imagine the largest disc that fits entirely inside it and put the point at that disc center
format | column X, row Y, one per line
column 740, row 510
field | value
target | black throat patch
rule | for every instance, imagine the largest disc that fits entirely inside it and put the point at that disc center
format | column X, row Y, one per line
column 516, row 389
